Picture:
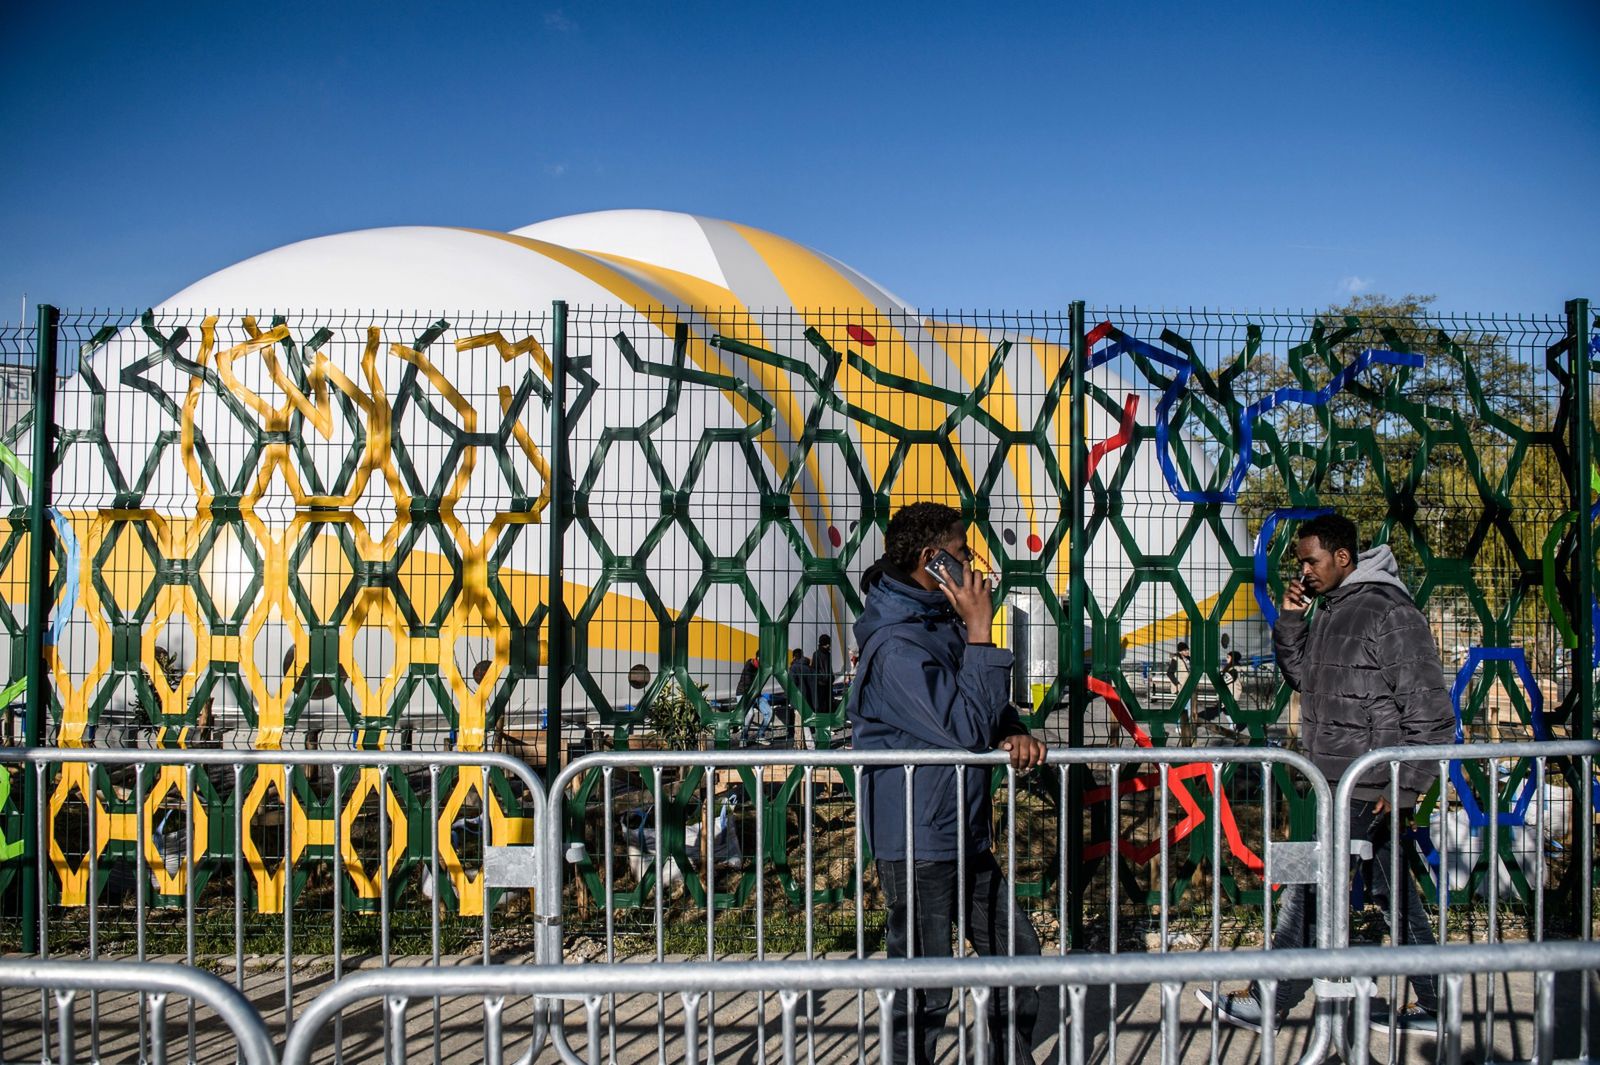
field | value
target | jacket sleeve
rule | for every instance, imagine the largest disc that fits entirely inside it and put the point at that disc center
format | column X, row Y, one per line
column 1289, row 635
column 919, row 696
column 1410, row 662
column 1009, row 724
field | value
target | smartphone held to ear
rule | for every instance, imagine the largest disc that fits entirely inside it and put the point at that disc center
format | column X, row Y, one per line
column 945, row 568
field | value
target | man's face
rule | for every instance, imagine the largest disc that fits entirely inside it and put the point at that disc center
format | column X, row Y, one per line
column 1321, row 570
column 955, row 542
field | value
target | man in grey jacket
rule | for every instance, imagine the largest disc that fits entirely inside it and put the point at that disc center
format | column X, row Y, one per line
column 1368, row 675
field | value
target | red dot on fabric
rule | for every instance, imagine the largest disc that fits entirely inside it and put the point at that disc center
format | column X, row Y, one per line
column 860, row 335
column 1034, row 543
column 834, row 537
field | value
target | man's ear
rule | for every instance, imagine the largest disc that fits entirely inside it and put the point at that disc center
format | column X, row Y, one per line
column 1349, row 556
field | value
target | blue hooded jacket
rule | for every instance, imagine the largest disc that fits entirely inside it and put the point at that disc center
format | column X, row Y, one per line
column 920, row 686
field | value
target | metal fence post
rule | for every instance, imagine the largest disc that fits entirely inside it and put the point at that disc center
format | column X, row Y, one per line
column 556, row 622
column 1077, row 589
column 1078, row 473
column 1578, row 325
column 41, row 539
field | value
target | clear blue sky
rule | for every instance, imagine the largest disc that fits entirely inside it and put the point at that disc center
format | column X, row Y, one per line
column 1012, row 156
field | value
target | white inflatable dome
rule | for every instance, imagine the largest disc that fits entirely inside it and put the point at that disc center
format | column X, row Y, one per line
column 628, row 270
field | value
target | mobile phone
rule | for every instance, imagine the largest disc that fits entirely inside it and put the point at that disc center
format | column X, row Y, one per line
column 945, row 568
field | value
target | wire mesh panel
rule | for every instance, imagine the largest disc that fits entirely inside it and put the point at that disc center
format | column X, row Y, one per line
column 1442, row 436
column 733, row 472
column 332, row 530
column 16, row 444
column 736, row 488
column 306, row 533
column 321, row 531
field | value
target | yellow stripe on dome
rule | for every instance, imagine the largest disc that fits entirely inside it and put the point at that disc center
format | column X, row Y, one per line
column 737, row 324
column 1176, row 626
column 1051, row 357
column 810, row 281
column 690, row 291
column 970, row 350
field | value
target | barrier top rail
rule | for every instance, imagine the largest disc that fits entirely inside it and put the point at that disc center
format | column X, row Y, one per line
column 38, row 756
column 255, row 1045
column 597, row 979
column 1437, row 752
column 254, row 756
column 849, row 757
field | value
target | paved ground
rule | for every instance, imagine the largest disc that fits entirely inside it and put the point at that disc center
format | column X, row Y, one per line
column 831, row 1034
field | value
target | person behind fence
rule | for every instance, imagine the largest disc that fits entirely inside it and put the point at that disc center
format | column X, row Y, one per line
column 1369, row 676
column 930, row 678
column 821, row 694
column 747, row 677
column 1233, row 681
column 760, row 710
column 1178, row 666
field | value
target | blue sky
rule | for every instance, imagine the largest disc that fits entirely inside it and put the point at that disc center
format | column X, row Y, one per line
column 1010, row 157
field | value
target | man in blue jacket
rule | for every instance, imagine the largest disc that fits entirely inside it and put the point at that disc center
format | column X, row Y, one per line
column 931, row 678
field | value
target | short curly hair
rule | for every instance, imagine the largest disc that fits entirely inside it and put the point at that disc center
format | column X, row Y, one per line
column 915, row 526
column 1334, row 532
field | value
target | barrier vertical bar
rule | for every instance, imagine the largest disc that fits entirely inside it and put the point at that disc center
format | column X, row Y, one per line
column 41, row 539
column 1582, row 460
column 556, row 626
column 1077, row 585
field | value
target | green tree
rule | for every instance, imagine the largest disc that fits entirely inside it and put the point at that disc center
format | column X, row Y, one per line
column 674, row 718
column 1453, row 463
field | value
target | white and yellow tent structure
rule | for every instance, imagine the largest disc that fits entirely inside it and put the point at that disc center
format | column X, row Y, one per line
column 286, row 473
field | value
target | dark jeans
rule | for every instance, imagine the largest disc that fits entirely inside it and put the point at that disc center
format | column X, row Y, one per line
column 939, row 892
column 1296, row 915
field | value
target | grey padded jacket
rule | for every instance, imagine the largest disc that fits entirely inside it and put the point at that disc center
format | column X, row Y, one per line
column 1368, row 674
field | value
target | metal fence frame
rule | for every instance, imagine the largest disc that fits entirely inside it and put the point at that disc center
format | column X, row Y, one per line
column 1334, row 959
column 40, row 760
column 1577, row 438
column 568, row 366
column 1445, row 756
column 1073, row 973
column 65, row 979
column 1063, row 761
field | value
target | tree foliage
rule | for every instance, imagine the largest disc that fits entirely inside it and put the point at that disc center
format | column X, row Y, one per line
column 1455, row 465
column 674, row 718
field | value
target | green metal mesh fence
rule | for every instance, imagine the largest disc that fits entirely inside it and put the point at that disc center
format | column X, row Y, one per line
column 335, row 530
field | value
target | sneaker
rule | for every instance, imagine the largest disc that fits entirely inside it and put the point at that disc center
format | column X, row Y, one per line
column 1412, row 1019
column 1238, row 1008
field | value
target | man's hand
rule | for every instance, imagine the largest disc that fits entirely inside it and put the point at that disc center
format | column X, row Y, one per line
column 1295, row 600
column 973, row 602
column 1026, row 752
column 1381, row 806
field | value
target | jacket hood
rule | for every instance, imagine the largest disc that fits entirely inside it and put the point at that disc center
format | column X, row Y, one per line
column 892, row 599
column 1375, row 565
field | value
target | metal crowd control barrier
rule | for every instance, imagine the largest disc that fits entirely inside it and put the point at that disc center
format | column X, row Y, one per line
column 1282, row 862
column 368, row 771
column 65, row 980
column 691, row 982
column 1520, row 786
